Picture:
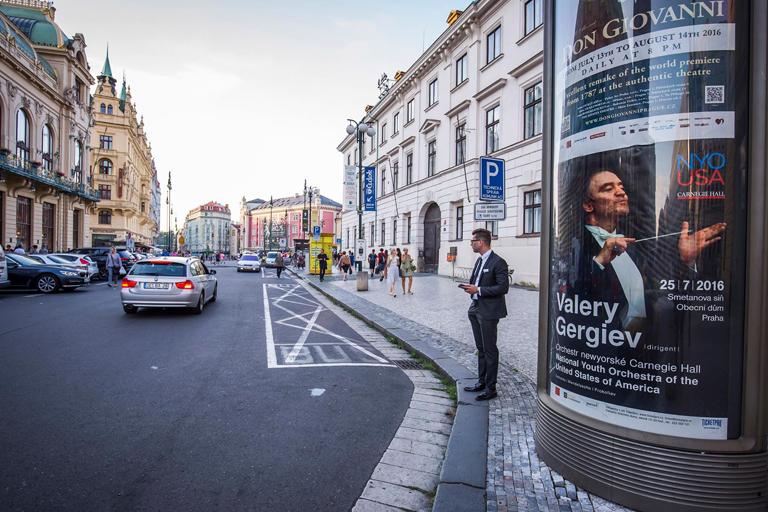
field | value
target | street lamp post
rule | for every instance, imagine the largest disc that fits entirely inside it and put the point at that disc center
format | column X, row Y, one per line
column 168, row 202
column 360, row 129
column 271, row 226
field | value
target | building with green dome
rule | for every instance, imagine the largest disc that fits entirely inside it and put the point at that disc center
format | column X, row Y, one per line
column 46, row 187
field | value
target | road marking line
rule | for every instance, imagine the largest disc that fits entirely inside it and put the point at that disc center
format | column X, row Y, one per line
column 316, row 391
column 296, row 348
column 271, row 353
column 30, row 296
column 318, row 365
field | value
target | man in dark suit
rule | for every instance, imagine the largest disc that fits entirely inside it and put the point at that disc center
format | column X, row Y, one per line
column 487, row 287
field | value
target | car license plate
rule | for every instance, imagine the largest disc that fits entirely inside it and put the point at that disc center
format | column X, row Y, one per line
column 156, row 286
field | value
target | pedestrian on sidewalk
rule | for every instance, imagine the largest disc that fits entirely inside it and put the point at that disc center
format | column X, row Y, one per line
column 344, row 263
column 406, row 271
column 279, row 264
column 322, row 262
column 393, row 271
column 372, row 262
column 487, row 287
column 113, row 267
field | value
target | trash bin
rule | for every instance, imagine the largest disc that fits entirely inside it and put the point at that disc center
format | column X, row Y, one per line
column 362, row 281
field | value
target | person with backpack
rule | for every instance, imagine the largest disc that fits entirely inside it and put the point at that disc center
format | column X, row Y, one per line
column 372, row 262
column 345, row 264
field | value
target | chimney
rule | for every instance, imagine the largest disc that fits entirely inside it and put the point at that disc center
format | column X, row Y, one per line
column 453, row 16
column 368, row 108
column 399, row 74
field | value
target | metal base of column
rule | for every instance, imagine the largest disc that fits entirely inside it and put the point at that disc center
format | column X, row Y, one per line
column 647, row 477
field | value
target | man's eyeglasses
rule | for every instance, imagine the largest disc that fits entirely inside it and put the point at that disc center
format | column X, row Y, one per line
column 474, row 240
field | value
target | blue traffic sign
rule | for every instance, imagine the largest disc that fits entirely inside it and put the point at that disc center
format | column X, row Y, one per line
column 369, row 189
column 316, row 232
column 491, row 179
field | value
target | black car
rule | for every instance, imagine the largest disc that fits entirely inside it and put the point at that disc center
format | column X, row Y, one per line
column 25, row 272
column 99, row 255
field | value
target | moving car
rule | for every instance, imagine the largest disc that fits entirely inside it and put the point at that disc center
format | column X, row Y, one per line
column 25, row 272
column 249, row 263
column 168, row 282
column 4, row 282
column 271, row 258
column 49, row 259
column 92, row 266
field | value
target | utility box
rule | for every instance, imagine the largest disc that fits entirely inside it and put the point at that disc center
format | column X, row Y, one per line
column 362, row 281
column 653, row 365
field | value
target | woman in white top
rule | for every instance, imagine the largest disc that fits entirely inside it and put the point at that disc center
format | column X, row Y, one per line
column 393, row 271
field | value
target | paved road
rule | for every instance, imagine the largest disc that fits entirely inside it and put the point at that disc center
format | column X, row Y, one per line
column 170, row 411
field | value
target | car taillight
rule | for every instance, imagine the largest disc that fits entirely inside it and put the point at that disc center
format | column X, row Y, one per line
column 185, row 285
column 83, row 262
column 127, row 283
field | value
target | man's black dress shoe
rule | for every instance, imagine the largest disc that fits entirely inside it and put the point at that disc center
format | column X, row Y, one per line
column 474, row 389
column 491, row 393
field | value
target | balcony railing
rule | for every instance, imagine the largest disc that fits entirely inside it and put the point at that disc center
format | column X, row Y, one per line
column 14, row 165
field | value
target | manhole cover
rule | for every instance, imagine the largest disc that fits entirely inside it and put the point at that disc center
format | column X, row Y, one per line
column 408, row 364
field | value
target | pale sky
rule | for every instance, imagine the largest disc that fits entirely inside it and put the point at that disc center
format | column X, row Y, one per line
column 250, row 98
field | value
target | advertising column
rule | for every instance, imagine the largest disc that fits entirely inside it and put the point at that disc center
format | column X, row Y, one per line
column 649, row 207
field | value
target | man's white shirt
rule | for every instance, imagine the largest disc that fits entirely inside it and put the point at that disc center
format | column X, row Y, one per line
column 483, row 261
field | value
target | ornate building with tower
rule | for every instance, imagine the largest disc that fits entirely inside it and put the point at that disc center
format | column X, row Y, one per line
column 124, row 173
column 45, row 183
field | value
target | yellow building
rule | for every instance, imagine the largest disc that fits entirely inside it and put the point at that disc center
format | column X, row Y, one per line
column 124, row 174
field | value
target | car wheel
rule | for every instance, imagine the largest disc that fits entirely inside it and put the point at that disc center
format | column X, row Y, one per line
column 102, row 274
column 130, row 309
column 215, row 293
column 200, row 304
column 47, row 283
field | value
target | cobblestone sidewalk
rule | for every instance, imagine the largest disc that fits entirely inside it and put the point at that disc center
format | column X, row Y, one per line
column 516, row 479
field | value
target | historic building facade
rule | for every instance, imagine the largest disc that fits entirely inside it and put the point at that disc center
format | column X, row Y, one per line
column 476, row 91
column 45, row 185
column 277, row 223
column 124, row 171
column 207, row 229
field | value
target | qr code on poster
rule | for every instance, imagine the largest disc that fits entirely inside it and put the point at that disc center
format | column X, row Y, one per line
column 566, row 123
column 714, row 94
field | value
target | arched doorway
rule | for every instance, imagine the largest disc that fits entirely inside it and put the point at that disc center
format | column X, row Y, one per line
column 431, row 238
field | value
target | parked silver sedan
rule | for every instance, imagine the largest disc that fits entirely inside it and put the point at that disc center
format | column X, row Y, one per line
column 81, row 260
column 168, row 282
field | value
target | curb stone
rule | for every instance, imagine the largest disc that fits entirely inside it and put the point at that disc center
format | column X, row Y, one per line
column 463, row 475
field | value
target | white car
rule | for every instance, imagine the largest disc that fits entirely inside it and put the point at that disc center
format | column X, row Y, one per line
column 271, row 259
column 50, row 259
column 4, row 281
column 168, row 282
column 91, row 266
column 249, row 263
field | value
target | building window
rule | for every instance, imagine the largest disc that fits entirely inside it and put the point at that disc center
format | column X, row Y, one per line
column 49, row 214
column 76, row 220
column 432, row 95
column 409, row 112
column 24, row 221
column 105, row 192
column 395, row 175
column 492, row 129
column 373, row 144
column 47, row 148
column 384, row 132
column 105, row 141
column 408, row 229
column 105, row 166
column 79, row 90
column 461, row 143
column 383, row 183
column 105, row 217
column 349, row 159
column 533, row 113
column 373, row 233
column 493, row 45
column 461, row 69
column 396, row 123
column 409, row 168
column 77, row 170
column 103, row 108
column 109, row 110
column 493, row 227
column 22, row 136
column 347, row 238
column 356, row 161
column 394, row 231
column 459, row 223
column 383, row 232
column 532, row 212
column 534, row 15
column 431, row 157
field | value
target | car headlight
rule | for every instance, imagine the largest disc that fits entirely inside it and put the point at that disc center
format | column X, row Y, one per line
column 69, row 274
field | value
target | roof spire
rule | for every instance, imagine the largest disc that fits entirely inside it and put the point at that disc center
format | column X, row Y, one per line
column 106, row 71
column 122, row 95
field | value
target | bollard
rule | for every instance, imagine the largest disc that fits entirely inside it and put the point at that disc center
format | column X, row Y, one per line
column 362, row 281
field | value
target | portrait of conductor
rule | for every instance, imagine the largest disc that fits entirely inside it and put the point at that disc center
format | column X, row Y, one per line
column 488, row 285
column 615, row 267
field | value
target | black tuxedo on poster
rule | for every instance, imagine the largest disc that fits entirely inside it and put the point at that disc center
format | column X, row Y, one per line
column 649, row 207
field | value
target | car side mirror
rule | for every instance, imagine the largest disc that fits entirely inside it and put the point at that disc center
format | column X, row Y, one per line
column 12, row 264
column 212, row 272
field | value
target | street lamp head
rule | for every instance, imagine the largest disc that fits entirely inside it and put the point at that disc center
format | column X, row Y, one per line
column 350, row 129
column 362, row 127
column 371, row 131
